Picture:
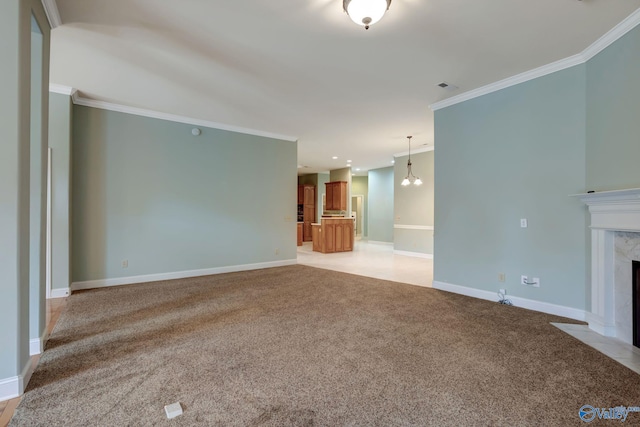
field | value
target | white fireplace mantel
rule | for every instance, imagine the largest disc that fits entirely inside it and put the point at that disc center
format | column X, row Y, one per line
column 611, row 211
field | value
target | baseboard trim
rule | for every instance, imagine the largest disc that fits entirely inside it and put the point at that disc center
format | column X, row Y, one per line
column 598, row 324
column 119, row 281
column 544, row 307
column 413, row 254
column 14, row 386
column 36, row 345
column 59, row 293
column 376, row 242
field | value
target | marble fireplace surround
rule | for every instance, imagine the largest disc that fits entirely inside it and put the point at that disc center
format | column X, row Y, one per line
column 615, row 237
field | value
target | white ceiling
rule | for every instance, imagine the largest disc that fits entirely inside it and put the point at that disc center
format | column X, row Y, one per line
column 303, row 68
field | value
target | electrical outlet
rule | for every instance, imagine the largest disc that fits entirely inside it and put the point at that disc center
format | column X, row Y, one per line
column 524, row 223
column 536, row 282
column 524, row 280
column 501, row 277
column 125, row 263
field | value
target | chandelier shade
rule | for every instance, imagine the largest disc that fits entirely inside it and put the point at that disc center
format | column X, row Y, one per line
column 366, row 12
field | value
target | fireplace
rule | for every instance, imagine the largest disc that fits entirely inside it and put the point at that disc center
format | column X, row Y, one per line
column 636, row 302
column 615, row 280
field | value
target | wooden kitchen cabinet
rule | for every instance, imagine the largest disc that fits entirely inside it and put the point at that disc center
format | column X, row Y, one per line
column 333, row 235
column 299, row 234
column 308, row 196
column 344, row 236
column 300, row 194
column 315, row 235
column 329, row 235
column 336, row 196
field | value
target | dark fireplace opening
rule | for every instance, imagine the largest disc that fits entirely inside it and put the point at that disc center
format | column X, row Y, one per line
column 636, row 303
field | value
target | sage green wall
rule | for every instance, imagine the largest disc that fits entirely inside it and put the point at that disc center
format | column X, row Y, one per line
column 60, row 109
column 323, row 178
column 148, row 191
column 15, row 111
column 309, row 179
column 360, row 186
column 381, row 205
column 413, row 205
column 613, row 107
column 515, row 153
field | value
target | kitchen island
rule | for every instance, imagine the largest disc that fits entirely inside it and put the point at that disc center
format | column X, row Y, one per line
column 333, row 235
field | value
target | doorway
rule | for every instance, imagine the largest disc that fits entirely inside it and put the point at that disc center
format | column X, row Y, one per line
column 357, row 211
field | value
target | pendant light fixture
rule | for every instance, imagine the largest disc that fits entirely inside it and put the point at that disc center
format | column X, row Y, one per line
column 366, row 12
column 410, row 178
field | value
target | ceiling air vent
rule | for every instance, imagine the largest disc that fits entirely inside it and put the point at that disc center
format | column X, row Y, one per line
column 447, row 86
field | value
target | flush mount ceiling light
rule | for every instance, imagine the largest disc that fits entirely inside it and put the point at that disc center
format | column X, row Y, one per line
column 410, row 178
column 366, row 12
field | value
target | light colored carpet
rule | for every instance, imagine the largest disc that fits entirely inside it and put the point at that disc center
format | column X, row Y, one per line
column 304, row 346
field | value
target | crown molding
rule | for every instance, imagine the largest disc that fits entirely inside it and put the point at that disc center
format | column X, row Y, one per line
column 596, row 47
column 61, row 89
column 103, row 105
column 53, row 15
column 510, row 81
column 626, row 25
column 79, row 100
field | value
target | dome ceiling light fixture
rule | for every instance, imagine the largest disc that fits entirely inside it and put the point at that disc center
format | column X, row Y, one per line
column 410, row 178
column 366, row 12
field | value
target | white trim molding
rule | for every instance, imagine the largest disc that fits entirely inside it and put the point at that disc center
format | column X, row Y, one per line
column 14, row 386
column 413, row 254
column 36, row 345
column 119, row 281
column 59, row 293
column 378, row 242
column 86, row 102
column 119, row 108
column 53, row 14
column 626, row 25
column 413, row 227
column 544, row 307
column 596, row 47
column 61, row 89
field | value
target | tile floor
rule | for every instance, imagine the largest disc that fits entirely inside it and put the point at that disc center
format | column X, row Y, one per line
column 54, row 308
column 621, row 352
column 371, row 260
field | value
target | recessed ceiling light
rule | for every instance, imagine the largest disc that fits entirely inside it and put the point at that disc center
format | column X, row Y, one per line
column 393, row 161
column 357, row 169
column 348, row 161
column 335, row 157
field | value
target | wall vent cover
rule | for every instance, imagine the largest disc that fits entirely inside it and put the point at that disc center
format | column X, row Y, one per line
column 447, row 86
